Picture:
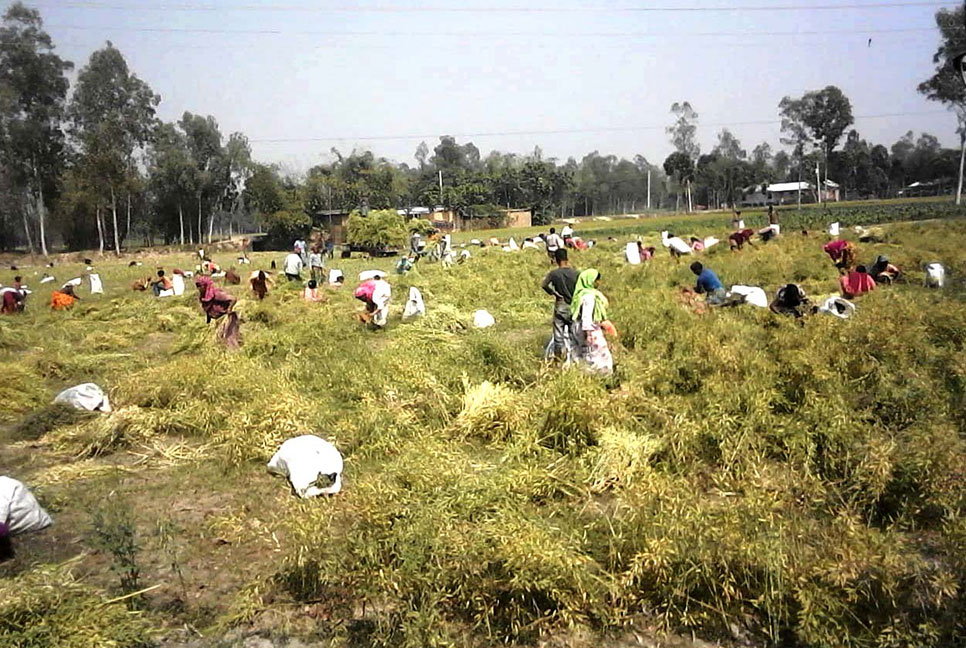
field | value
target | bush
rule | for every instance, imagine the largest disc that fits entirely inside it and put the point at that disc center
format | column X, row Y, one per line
column 382, row 227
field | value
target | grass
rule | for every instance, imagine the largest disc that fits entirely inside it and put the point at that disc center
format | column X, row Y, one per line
column 741, row 476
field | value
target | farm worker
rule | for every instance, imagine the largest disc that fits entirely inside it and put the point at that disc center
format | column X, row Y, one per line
column 842, row 252
column 554, row 243
column 708, row 284
column 738, row 239
column 316, row 264
column 12, row 300
column 329, row 247
column 675, row 245
column 231, row 277
column 647, row 253
column 162, row 284
column 311, row 292
column 416, row 245
column 214, row 301
column 567, row 234
column 588, row 310
column 772, row 215
column 858, row 282
column 260, row 281
column 299, row 248
column 883, row 271
column 292, row 267
column 697, row 244
column 375, row 294
column 789, row 300
column 64, row 298
column 560, row 285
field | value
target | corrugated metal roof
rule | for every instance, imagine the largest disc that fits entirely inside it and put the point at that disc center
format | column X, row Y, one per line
column 789, row 186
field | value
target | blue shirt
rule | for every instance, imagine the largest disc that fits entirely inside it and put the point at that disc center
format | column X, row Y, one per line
column 708, row 282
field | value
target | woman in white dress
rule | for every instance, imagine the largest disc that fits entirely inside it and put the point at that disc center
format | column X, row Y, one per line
column 589, row 312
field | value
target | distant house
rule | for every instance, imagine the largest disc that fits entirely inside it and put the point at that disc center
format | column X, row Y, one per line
column 917, row 189
column 448, row 220
column 333, row 221
column 784, row 193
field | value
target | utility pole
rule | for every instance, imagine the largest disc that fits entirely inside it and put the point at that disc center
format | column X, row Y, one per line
column 818, row 184
column 648, row 188
column 440, row 187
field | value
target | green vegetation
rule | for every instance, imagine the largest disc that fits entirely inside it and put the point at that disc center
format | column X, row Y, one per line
column 741, row 476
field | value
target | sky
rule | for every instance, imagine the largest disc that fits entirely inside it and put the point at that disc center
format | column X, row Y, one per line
column 570, row 76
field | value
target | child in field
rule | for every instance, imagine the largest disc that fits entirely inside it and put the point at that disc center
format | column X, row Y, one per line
column 738, row 239
column 588, row 310
column 311, row 292
column 316, row 264
column 260, row 281
column 64, row 298
column 841, row 252
column 162, row 284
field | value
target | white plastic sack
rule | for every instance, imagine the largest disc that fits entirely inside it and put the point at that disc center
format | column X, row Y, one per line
column 482, row 319
column 710, row 241
column 513, row 245
column 97, row 288
column 632, row 253
column 177, row 284
column 76, row 281
column 19, row 509
column 838, row 307
column 336, row 277
column 741, row 224
column 753, row 295
column 675, row 243
column 88, row 397
column 935, row 275
column 834, row 229
column 530, row 245
column 47, row 279
column 415, row 306
column 303, row 460
column 371, row 274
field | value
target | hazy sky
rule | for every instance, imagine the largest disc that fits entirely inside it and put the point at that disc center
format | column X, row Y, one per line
column 585, row 76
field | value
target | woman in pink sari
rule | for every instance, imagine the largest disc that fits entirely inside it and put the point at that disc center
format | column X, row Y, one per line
column 214, row 301
column 858, row 282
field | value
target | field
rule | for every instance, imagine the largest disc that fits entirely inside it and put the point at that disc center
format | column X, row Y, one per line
column 742, row 478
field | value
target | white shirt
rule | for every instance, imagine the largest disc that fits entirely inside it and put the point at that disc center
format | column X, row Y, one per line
column 554, row 242
column 567, row 231
column 293, row 264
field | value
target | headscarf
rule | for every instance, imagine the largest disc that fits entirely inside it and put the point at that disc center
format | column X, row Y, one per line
column 880, row 266
column 208, row 288
column 585, row 286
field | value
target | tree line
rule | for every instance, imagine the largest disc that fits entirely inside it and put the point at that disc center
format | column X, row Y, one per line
column 92, row 166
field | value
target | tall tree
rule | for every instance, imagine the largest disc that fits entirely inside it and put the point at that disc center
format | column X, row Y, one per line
column 113, row 118
column 34, row 87
column 204, row 142
column 171, row 173
column 683, row 135
column 946, row 84
column 823, row 115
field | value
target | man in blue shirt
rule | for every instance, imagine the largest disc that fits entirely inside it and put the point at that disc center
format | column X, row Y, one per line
column 708, row 284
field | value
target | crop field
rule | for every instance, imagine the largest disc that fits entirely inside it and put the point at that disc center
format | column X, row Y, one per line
column 742, row 478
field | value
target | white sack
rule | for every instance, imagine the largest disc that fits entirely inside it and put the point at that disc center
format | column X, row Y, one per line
column 935, row 275
column 88, row 397
column 177, row 284
column 841, row 308
column 710, row 241
column 482, row 319
column 753, row 295
column 47, row 280
column 371, row 274
column 19, row 509
column 76, row 281
column 303, row 460
column 632, row 253
column 97, row 288
column 527, row 245
column 415, row 306
column 335, row 276
column 513, row 245
column 834, row 229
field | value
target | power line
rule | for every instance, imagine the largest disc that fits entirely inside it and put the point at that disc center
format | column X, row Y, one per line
column 505, row 9
column 463, row 34
column 566, row 131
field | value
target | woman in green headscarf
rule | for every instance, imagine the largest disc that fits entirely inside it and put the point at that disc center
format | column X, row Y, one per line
column 588, row 309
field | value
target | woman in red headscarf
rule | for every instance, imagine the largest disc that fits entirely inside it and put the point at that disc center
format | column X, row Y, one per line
column 214, row 301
